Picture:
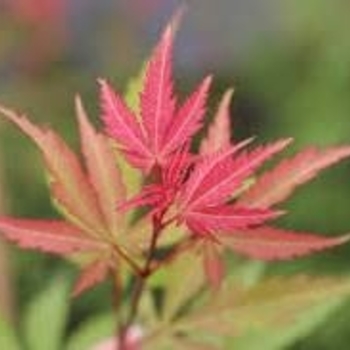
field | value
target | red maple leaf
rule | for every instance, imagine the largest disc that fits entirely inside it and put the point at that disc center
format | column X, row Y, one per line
column 203, row 199
column 162, row 128
column 209, row 196
column 215, row 203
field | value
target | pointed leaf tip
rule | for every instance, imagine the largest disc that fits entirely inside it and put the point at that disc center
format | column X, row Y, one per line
column 79, row 105
column 157, row 97
column 176, row 19
column 188, row 119
column 229, row 94
column 219, row 132
column 8, row 113
column 269, row 243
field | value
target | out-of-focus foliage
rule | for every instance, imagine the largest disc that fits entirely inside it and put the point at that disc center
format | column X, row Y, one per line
column 302, row 77
column 275, row 312
column 43, row 323
column 298, row 81
column 44, row 320
column 8, row 339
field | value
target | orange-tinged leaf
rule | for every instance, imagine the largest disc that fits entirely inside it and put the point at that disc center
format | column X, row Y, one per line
column 269, row 243
column 279, row 183
column 55, row 237
column 102, row 169
column 92, row 275
column 70, row 187
column 219, row 132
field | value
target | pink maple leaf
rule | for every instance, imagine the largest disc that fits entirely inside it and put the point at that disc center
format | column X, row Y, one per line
column 211, row 199
column 162, row 128
column 203, row 199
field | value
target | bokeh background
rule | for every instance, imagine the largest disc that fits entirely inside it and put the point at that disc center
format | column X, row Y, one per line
column 289, row 62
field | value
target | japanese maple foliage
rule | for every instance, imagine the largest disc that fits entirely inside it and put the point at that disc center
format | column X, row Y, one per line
column 208, row 195
column 213, row 197
column 86, row 199
column 147, row 140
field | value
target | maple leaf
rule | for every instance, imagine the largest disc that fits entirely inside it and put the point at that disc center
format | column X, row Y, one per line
column 161, row 128
column 202, row 200
column 236, row 225
column 205, row 201
column 208, row 192
column 275, row 186
column 85, row 195
column 202, row 192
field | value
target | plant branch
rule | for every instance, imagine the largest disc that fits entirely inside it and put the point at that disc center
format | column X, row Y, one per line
column 134, row 266
column 141, row 277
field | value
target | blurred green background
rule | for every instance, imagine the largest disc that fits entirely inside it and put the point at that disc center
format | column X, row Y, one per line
column 289, row 62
